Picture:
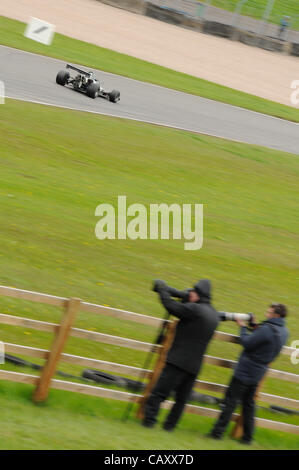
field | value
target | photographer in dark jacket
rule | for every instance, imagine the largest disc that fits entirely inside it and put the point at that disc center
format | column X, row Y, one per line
column 260, row 348
column 197, row 323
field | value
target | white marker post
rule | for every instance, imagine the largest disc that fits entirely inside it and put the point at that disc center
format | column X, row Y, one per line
column 295, row 94
column 2, row 353
column 40, row 31
column 2, row 92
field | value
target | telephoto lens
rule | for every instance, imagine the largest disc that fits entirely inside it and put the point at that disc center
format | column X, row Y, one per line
column 226, row 316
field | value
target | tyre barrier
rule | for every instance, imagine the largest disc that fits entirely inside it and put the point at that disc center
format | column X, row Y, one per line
column 21, row 362
column 17, row 361
column 264, row 42
column 134, row 385
column 218, row 29
column 172, row 16
column 280, row 409
column 295, row 49
column 202, row 398
column 109, row 379
column 92, row 375
column 167, row 15
column 135, row 6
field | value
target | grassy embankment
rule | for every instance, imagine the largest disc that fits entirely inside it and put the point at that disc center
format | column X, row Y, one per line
column 56, row 167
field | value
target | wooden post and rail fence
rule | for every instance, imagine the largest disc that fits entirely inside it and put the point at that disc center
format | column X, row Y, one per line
column 62, row 331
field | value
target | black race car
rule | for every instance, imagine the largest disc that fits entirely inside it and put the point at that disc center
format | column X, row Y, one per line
column 86, row 83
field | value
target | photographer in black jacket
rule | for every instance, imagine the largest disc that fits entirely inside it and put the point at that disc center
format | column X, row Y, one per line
column 261, row 347
column 197, row 323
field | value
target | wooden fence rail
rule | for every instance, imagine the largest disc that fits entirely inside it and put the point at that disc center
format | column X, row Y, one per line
column 128, row 343
column 107, row 311
column 136, row 372
column 65, row 328
column 125, row 396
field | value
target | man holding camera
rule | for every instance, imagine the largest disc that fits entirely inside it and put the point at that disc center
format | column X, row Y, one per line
column 261, row 347
column 197, row 323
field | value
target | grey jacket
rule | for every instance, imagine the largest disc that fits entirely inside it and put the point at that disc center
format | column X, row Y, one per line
column 260, row 348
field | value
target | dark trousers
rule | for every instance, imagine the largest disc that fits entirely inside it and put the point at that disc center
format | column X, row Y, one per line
column 172, row 379
column 237, row 392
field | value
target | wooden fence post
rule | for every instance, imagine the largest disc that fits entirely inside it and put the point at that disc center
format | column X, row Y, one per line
column 237, row 431
column 155, row 374
column 42, row 390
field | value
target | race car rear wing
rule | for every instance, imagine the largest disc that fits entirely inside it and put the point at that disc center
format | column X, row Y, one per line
column 87, row 74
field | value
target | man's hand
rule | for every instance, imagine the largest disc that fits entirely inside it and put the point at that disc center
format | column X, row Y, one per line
column 159, row 285
column 241, row 323
column 253, row 322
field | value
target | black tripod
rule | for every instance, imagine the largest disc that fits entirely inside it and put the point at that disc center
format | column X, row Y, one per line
column 159, row 340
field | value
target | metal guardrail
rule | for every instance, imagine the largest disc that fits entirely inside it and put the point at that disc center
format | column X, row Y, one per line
column 245, row 17
column 185, row 7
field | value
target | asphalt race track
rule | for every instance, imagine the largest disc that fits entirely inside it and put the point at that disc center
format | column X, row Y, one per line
column 31, row 77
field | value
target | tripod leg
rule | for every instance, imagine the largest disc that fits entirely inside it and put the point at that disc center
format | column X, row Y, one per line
column 142, row 376
column 166, row 345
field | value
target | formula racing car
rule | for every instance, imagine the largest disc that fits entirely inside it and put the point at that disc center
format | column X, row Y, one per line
column 85, row 82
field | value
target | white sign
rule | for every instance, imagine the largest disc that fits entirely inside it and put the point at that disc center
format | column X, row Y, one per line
column 2, row 92
column 40, row 31
column 2, row 353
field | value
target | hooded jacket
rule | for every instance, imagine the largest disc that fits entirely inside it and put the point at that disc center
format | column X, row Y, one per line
column 196, row 326
column 260, row 348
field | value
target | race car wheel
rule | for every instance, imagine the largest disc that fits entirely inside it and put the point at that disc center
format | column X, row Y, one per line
column 62, row 77
column 93, row 90
column 114, row 96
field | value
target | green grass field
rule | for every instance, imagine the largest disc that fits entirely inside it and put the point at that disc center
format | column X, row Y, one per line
column 72, row 50
column 92, row 423
column 56, row 167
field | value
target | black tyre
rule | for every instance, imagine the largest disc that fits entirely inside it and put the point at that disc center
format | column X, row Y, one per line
column 201, row 398
column 280, row 409
column 15, row 360
column 102, row 377
column 20, row 362
column 114, row 96
column 134, row 385
column 93, row 90
column 62, row 77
